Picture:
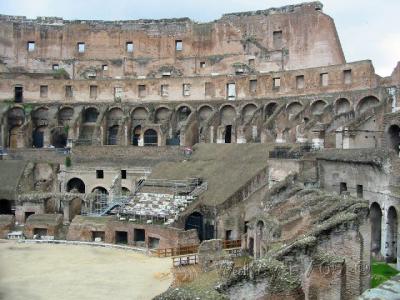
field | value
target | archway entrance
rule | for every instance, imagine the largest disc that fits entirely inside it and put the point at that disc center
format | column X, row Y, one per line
column 391, row 240
column 76, row 185
column 195, row 221
column 376, row 228
column 228, row 134
column 393, row 138
column 150, row 138
column 136, row 135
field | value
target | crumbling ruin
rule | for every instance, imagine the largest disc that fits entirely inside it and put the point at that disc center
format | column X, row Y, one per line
column 251, row 133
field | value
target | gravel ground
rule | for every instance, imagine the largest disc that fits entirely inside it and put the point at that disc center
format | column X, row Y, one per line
column 64, row 272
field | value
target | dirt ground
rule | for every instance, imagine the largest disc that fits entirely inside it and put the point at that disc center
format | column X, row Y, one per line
column 64, row 272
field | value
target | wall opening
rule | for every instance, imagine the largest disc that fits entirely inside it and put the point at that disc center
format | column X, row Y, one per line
column 228, row 134
column 28, row 214
column 393, row 137
column 18, row 94
column 40, row 232
column 76, row 185
column 360, row 191
column 121, row 237
column 391, row 239
column 231, row 91
column 7, row 207
column 112, row 138
column 137, row 132
column 90, row 115
column 139, row 235
column 342, row 188
column 154, row 242
column 376, row 228
column 150, row 138
column 228, row 235
column 277, row 39
column 98, row 236
column 195, row 221
column 38, row 137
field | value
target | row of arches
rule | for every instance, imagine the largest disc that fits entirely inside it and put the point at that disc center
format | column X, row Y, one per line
column 76, row 185
column 384, row 232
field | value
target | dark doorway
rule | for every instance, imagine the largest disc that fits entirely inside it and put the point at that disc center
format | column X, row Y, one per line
column 228, row 134
column 76, row 185
column 113, row 135
column 28, row 214
column 150, row 138
column 121, row 237
column 39, row 232
column 136, row 135
column 228, row 235
column 209, row 231
column 38, row 138
column 394, row 138
column 7, row 207
column 391, row 239
column 18, row 94
column 59, row 139
column 153, row 242
column 251, row 246
column 195, row 221
column 343, row 188
column 139, row 235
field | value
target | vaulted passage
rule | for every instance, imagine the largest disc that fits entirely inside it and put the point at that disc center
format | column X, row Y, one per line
column 195, row 221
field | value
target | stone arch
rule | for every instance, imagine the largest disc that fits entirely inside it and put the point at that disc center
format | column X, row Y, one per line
column 376, row 228
column 195, row 221
column 7, row 207
column 15, row 120
column 65, row 115
column 76, row 185
column 317, row 107
column 125, row 191
column 248, row 111
column 204, row 112
column 391, row 235
column 393, row 137
column 139, row 113
column 270, row 109
column 228, row 115
column 136, row 134
column 115, row 114
column 294, row 108
column 59, row 137
column 183, row 112
column 90, row 115
column 150, row 137
column 100, row 190
column 40, row 116
column 342, row 105
column 162, row 115
column 366, row 103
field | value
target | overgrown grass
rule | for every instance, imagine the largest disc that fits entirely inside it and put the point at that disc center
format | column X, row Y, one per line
column 381, row 272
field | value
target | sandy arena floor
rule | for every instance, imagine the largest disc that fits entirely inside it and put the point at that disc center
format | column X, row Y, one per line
column 64, row 272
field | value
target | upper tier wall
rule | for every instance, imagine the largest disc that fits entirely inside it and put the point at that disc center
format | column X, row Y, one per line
column 291, row 37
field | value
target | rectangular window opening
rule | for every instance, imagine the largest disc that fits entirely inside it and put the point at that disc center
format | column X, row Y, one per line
column 81, row 47
column 228, row 235
column 123, row 174
column 277, row 39
column 31, row 46
column 347, row 77
column 104, row 67
column 231, row 91
column 276, row 83
column 68, row 91
column 55, row 67
column 164, row 90
column 202, row 64
column 323, row 79
column 178, row 45
column 18, row 94
column 209, row 89
column 186, row 89
column 253, row 86
column 93, row 91
column 129, row 47
column 300, row 82
column 99, row 174
column 43, row 91
column 139, row 235
column 142, row 90
column 360, row 191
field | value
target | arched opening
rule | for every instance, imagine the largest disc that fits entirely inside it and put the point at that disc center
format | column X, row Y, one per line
column 99, row 190
column 228, row 115
column 195, row 221
column 248, row 112
column 112, row 137
column 367, row 103
column 115, row 115
column 270, row 109
column 139, row 114
column 137, row 132
column 183, row 113
column 376, row 228
column 76, row 185
column 38, row 137
column 391, row 239
column 90, row 115
column 150, row 137
column 259, row 238
column 15, row 119
column 393, row 138
column 65, row 116
column 317, row 108
column 7, row 207
column 342, row 106
column 125, row 191
column 294, row 108
column 162, row 115
column 205, row 113
column 59, row 137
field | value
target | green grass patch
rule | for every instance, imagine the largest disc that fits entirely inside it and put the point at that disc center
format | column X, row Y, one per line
column 381, row 272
